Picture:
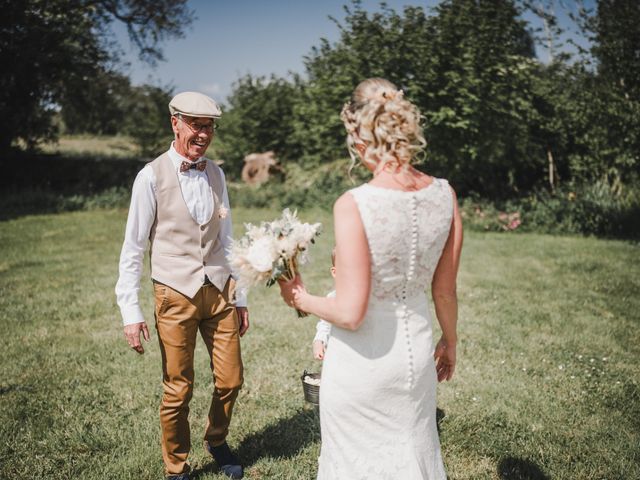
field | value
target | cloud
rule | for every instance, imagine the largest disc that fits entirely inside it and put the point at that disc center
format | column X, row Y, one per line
column 211, row 88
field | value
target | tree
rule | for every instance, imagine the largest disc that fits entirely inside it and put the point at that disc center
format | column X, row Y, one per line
column 597, row 98
column 617, row 45
column 52, row 49
column 470, row 68
column 98, row 106
column 498, row 121
column 479, row 98
column 383, row 44
column 145, row 118
column 258, row 118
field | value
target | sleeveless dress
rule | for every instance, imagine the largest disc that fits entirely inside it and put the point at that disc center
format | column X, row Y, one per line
column 378, row 391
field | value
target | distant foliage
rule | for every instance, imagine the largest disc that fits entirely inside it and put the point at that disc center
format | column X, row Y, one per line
column 112, row 106
column 145, row 119
column 589, row 209
column 500, row 125
column 557, row 142
column 57, row 53
column 258, row 118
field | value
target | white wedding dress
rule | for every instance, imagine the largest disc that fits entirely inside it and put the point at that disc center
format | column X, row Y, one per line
column 378, row 389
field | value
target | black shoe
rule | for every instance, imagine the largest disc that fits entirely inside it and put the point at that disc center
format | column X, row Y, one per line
column 227, row 461
column 182, row 476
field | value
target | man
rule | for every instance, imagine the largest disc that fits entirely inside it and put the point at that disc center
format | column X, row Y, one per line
column 180, row 207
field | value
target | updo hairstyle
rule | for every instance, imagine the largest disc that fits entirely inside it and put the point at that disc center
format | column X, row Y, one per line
column 379, row 117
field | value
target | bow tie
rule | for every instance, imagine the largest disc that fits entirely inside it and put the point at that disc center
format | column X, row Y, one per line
column 200, row 166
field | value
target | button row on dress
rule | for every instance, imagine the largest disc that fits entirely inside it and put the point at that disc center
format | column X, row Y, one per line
column 409, row 352
column 414, row 239
column 409, row 277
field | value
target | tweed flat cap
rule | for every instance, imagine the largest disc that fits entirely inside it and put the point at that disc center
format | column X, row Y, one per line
column 194, row 104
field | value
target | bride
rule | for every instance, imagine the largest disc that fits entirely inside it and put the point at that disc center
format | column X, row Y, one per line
column 395, row 236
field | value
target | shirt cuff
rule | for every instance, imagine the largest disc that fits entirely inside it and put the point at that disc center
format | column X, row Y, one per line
column 323, row 337
column 241, row 297
column 131, row 314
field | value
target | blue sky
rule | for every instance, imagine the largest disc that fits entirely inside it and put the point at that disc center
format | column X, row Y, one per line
column 229, row 39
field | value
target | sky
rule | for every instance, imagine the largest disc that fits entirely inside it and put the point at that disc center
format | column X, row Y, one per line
column 229, row 39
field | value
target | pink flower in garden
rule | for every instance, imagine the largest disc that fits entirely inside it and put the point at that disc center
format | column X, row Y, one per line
column 509, row 221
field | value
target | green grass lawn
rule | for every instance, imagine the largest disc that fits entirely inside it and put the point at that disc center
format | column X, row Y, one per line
column 547, row 386
column 83, row 145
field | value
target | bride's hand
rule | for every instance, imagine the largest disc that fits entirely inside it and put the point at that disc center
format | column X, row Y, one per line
column 292, row 291
column 445, row 357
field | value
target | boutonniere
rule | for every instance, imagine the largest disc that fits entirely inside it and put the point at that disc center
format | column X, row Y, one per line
column 223, row 212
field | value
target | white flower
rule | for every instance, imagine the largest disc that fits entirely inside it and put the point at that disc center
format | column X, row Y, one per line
column 287, row 246
column 223, row 212
column 271, row 250
column 261, row 254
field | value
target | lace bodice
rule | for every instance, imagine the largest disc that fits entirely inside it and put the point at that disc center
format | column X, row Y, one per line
column 406, row 232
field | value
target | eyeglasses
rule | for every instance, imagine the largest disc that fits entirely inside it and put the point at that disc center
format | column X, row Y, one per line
column 196, row 127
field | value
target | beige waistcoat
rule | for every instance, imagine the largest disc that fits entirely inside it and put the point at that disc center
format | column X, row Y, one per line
column 182, row 251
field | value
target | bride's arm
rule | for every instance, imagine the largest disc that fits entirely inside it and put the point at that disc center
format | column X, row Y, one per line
column 353, row 272
column 445, row 298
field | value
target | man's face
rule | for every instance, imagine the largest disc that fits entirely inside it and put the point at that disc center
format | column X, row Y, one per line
column 192, row 135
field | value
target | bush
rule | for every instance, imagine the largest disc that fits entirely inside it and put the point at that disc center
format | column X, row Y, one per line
column 589, row 209
column 600, row 210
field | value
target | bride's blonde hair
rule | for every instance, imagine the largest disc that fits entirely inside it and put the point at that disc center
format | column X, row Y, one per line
column 379, row 117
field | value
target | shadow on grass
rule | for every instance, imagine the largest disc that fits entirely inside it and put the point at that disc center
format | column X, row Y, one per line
column 5, row 389
column 283, row 439
column 511, row 468
column 439, row 417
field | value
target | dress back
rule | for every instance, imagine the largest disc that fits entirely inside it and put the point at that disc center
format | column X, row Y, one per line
column 378, row 393
column 406, row 232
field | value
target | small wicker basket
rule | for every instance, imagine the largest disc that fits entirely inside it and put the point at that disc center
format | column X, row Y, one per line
column 311, row 392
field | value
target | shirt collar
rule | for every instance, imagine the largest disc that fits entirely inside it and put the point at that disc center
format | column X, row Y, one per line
column 177, row 159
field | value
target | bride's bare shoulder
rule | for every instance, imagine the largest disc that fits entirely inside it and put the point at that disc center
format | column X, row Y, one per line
column 346, row 203
column 424, row 180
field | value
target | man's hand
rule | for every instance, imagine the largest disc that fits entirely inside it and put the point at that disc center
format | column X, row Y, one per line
column 243, row 319
column 132, row 334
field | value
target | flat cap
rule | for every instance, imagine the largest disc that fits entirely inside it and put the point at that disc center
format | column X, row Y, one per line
column 194, row 104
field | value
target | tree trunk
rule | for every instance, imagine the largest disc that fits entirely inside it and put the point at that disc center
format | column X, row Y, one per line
column 552, row 167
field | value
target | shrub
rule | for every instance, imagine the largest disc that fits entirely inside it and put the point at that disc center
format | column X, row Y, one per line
column 590, row 209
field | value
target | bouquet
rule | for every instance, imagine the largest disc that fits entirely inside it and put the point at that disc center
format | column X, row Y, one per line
column 272, row 251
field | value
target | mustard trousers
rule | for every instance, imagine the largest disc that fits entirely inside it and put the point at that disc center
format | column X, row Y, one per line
column 178, row 320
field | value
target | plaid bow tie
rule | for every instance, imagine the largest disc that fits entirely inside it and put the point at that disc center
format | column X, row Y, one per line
column 184, row 166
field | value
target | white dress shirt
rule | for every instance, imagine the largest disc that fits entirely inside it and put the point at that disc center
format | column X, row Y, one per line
column 142, row 212
column 323, row 328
